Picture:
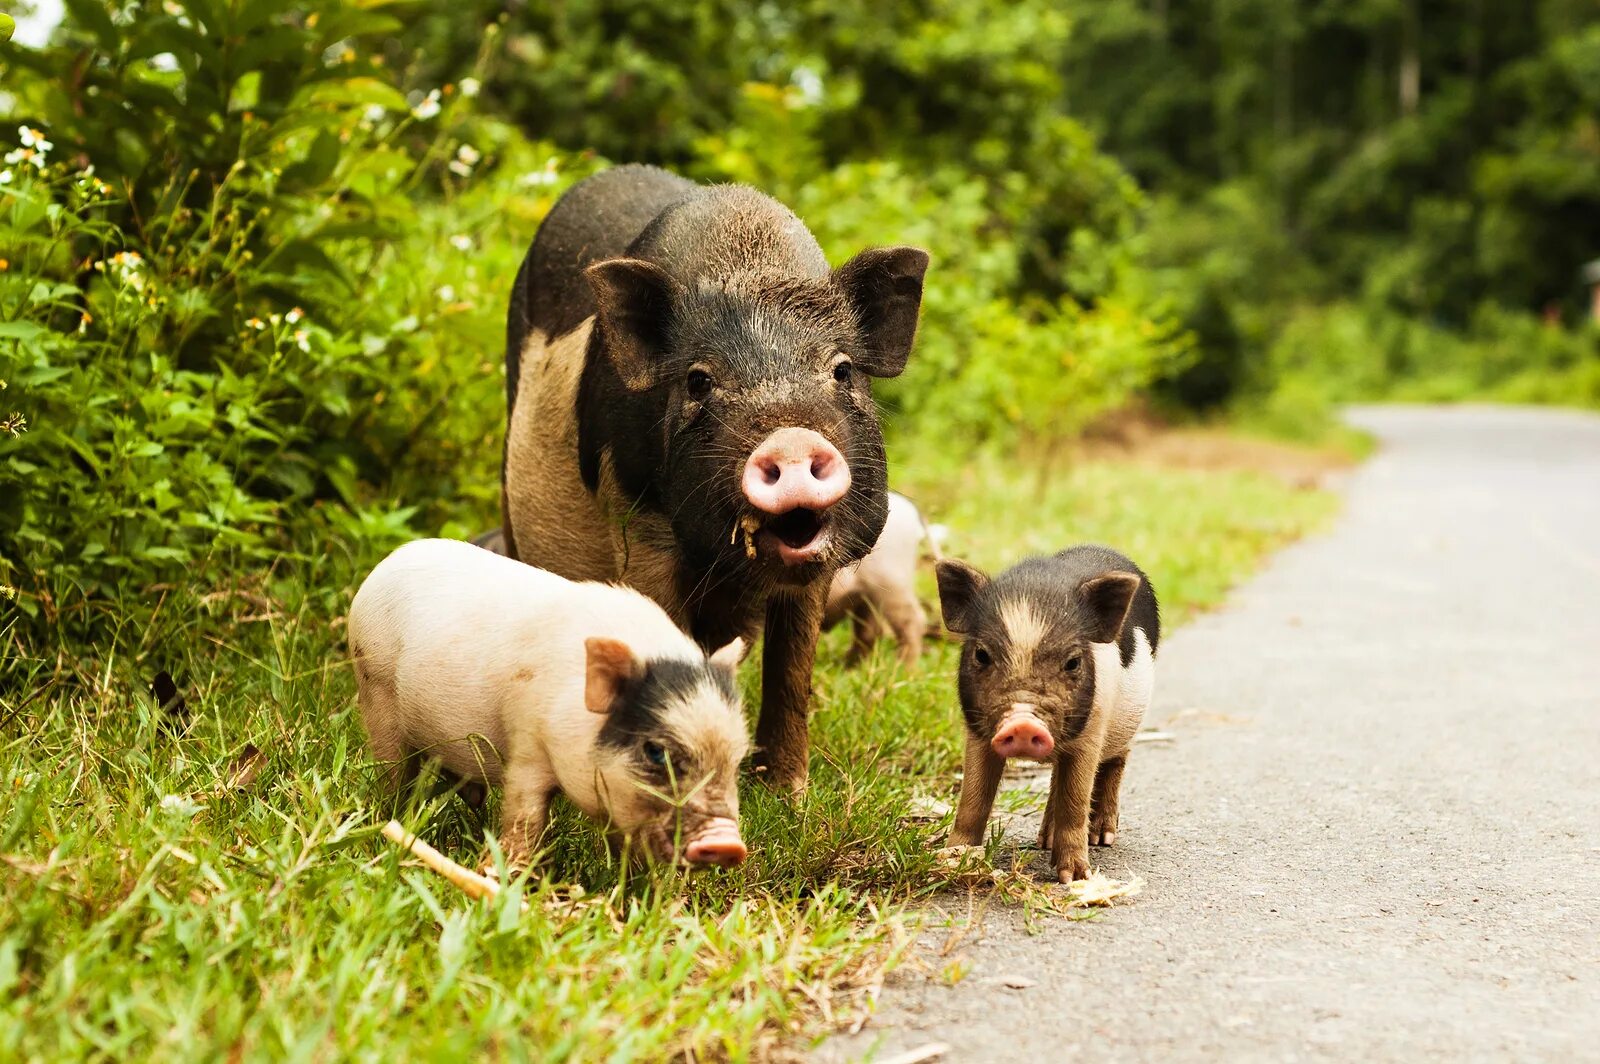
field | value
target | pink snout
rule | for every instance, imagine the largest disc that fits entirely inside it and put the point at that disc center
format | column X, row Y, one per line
column 1022, row 735
column 795, row 468
column 718, row 843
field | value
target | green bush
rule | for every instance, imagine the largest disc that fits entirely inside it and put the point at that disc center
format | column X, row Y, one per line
column 221, row 307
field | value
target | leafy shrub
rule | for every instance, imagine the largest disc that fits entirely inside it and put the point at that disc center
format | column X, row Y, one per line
column 217, row 310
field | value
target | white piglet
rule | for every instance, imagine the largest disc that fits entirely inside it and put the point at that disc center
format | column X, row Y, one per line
column 515, row 677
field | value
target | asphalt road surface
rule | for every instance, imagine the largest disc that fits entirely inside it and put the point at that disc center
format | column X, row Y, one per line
column 1376, row 835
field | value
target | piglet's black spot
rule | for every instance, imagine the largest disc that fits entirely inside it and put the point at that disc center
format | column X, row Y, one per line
column 641, row 710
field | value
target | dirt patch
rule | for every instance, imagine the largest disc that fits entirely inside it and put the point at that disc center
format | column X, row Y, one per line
column 1142, row 436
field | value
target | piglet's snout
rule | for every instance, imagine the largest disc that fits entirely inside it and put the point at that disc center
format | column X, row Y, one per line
column 1022, row 734
column 795, row 468
column 717, row 843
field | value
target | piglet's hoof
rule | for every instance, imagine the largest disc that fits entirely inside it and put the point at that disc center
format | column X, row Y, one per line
column 1072, row 867
column 1102, row 832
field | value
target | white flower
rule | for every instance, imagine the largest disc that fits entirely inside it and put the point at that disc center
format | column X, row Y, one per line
column 180, row 805
column 25, row 155
column 461, row 242
column 302, row 339
column 32, row 138
column 5, row 177
column 428, row 107
column 294, row 315
column 256, row 324
column 534, row 178
column 466, row 158
column 130, row 268
column 469, row 87
column 446, row 294
column 374, row 113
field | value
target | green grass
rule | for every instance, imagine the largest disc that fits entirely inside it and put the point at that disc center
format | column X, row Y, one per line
column 153, row 912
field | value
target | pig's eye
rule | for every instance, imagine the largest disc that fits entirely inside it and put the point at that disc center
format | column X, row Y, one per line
column 841, row 371
column 699, row 384
column 981, row 656
column 655, row 753
column 1073, row 663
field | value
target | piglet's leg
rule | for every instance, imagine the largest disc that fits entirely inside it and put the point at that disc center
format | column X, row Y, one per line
column 1107, row 788
column 524, row 810
column 783, row 731
column 1071, row 788
column 1049, row 815
column 980, row 779
column 907, row 620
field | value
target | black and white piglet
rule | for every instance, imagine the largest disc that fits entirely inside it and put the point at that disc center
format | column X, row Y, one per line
column 1058, row 665
column 515, row 677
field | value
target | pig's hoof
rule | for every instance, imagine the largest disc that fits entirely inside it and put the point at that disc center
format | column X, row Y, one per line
column 1074, row 866
column 1102, row 832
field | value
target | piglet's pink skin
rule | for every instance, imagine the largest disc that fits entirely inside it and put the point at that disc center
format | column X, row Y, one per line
column 514, row 677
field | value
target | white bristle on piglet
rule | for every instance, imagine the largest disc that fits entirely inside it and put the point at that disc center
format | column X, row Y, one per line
column 511, row 676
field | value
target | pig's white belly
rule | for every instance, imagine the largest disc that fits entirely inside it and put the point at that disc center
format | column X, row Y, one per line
column 1130, row 692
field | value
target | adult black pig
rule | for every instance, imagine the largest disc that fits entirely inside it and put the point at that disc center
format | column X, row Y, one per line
column 689, row 391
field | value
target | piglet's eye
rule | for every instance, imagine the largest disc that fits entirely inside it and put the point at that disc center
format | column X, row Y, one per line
column 1073, row 663
column 698, row 384
column 655, row 753
column 842, row 370
column 981, row 656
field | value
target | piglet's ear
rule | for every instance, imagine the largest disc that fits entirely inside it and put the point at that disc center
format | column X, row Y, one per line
column 728, row 658
column 884, row 285
column 633, row 306
column 611, row 668
column 1108, row 597
column 959, row 585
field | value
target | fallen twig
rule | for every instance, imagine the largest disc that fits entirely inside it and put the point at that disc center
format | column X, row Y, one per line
column 465, row 879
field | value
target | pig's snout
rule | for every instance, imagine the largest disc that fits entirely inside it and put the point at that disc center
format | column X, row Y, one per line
column 1021, row 734
column 795, row 468
column 718, row 843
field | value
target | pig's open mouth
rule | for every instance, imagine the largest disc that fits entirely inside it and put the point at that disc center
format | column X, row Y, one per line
column 796, row 537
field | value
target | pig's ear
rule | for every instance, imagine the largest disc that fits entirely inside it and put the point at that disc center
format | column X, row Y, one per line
column 884, row 285
column 633, row 306
column 1108, row 597
column 611, row 668
column 959, row 585
column 728, row 658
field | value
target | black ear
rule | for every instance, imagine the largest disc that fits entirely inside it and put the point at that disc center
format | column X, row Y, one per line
column 959, row 584
column 1107, row 598
column 884, row 286
column 633, row 305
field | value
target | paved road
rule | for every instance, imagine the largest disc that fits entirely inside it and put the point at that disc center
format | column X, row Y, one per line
column 1377, row 835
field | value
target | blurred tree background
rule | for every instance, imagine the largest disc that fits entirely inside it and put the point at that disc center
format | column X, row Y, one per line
column 254, row 253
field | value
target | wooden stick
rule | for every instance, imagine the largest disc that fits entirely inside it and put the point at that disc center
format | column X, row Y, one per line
column 468, row 881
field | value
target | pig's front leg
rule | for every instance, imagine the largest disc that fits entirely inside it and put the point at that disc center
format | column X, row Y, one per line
column 1107, row 789
column 980, row 779
column 783, row 732
column 524, row 810
column 1071, row 788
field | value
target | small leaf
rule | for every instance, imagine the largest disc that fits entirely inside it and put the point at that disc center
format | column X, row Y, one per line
column 8, row 26
column 19, row 330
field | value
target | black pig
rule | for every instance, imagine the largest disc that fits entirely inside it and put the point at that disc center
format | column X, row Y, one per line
column 689, row 392
column 1058, row 665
